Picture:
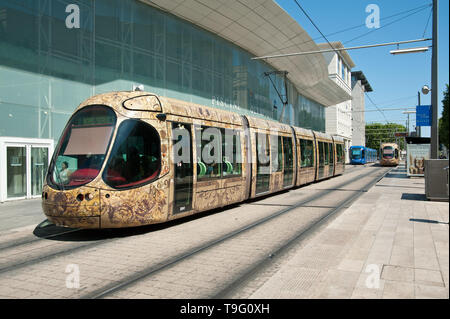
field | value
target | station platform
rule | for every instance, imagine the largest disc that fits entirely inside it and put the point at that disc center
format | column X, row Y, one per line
column 390, row 243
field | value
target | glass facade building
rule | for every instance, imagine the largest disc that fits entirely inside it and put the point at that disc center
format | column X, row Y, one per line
column 47, row 69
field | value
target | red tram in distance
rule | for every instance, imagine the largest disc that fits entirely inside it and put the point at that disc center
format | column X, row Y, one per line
column 134, row 158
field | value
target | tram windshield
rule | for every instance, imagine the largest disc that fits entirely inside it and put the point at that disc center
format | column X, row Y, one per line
column 356, row 153
column 388, row 152
column 82, row 148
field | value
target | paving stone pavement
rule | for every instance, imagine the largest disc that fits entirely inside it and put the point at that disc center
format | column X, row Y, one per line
column 390, row 243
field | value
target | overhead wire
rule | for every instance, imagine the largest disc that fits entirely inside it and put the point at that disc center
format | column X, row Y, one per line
column 428, row 21
column 317, row 28
column 376, row 106
column 388, row 24
column 358, row 26
column 381, row 19
column 418, row 9
column 312, row 22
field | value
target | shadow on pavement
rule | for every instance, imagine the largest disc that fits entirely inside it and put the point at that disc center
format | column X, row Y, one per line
column 430, row 221
column 47, row 230
column 414, row 196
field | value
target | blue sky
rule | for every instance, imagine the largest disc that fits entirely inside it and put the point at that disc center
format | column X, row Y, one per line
column 395, row 79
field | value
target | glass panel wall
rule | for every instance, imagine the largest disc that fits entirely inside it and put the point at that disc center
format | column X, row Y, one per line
column 49, row 69
column 39, row 165
column 16, row 171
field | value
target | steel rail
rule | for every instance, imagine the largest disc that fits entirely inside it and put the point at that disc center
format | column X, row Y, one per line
column 301, row 235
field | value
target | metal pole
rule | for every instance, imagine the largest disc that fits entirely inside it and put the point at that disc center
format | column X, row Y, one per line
column 418, row 101
column 338, row 49
column 434, row 86
column 407, row 130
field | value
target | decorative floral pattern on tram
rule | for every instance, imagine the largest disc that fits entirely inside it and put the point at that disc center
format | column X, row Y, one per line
column 135, row 207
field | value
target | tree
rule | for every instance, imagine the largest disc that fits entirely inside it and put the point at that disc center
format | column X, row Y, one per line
column 377, row 133
column 443, row 121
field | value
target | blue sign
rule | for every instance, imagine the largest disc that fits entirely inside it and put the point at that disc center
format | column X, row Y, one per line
column 423, row 115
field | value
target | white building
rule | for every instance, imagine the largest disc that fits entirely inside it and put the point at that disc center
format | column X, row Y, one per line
column 360, row 85
column 338, row 118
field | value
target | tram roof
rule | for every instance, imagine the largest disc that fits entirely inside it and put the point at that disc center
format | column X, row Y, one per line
column 262, row 27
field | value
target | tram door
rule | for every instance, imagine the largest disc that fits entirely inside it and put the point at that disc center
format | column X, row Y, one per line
column 182, row 154
column 321, row 152
column 331, row 152
column 262, row 163
column 288, row 161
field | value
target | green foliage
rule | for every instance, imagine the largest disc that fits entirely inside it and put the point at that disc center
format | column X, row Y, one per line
column 377, row 133
column 443, row 121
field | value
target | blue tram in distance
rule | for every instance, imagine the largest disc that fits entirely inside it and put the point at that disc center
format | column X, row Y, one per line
column 362, row 155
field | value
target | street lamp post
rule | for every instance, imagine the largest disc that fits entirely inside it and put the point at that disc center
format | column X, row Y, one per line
column 434, row 86
column 418, row 103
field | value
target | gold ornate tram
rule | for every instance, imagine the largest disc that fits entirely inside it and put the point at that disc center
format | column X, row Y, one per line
column 133, row 158
column 389, row 154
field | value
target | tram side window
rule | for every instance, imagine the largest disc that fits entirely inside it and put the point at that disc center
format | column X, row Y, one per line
column 262, row 153
column 306, row 153
column 135, row 157
column 321, row 154
column 330, row 147
column 209, row 152
column 339, row 153
column 276, row 153
column 231, row 150
column 327, row 154
column 218, row 152
column 288, row 155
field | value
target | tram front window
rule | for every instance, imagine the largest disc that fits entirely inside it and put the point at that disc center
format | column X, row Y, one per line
column 82, row 148
column 135, row 157
column 388, row 152
column 356, row 153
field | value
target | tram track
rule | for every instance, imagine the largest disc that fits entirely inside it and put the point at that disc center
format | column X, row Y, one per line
column 144, row 274
column 32, row 238
column 65, row 250
column 64, row 231
column 260, row 265
column 25, row 263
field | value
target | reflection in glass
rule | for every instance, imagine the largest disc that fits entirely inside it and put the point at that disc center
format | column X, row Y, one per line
column 39, row 165
column 135, row 157
column 16, row 172
column 82, row 148
column 306, row 153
